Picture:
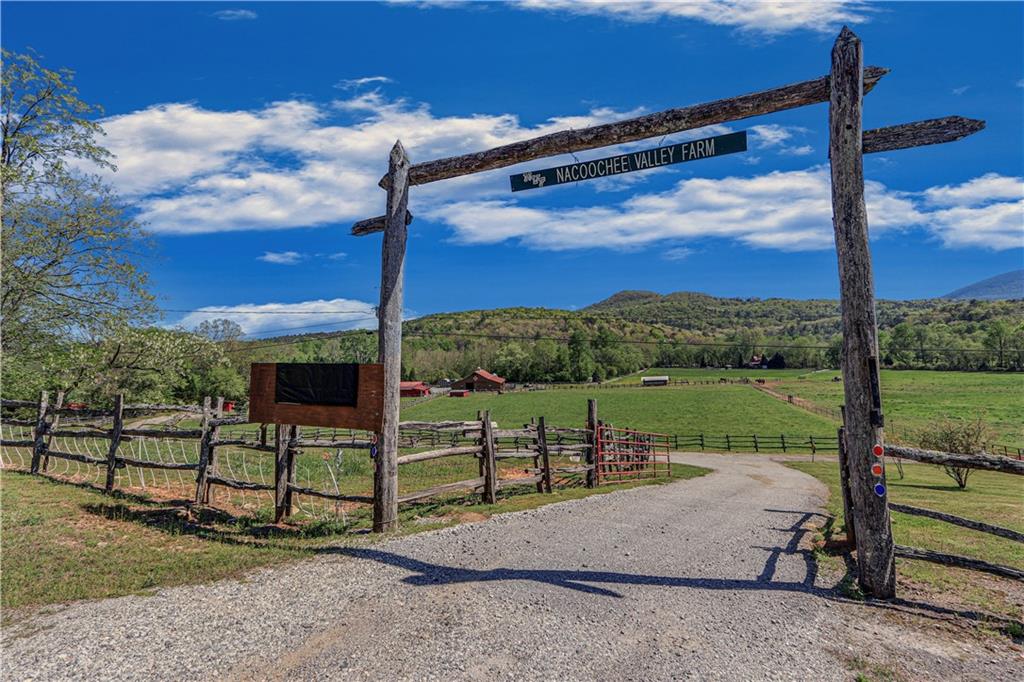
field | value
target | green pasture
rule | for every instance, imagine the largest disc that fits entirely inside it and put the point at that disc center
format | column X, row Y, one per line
column 915, row 399
column 991, row 497
column 710, row 374
column 718, row 409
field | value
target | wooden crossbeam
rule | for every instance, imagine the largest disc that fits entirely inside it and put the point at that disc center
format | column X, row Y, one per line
column 376, row 224
column 920, row 134
column 630, row 130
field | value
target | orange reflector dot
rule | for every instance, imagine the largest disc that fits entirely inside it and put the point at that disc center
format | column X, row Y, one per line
column 876, row 469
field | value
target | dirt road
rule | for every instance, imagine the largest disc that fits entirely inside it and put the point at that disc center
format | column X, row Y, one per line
column 699, row 579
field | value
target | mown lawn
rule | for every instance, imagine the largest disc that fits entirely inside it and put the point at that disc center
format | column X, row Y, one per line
column 64, row 542
column 914, row 400
column 990, row 497
column 714, row 409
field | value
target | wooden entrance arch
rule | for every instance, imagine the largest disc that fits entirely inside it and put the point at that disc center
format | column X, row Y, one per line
column 864, row 493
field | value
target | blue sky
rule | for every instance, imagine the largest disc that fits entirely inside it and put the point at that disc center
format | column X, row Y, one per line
column 250, row 137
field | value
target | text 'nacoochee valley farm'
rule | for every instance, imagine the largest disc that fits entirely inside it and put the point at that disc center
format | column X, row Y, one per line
column 635, row 161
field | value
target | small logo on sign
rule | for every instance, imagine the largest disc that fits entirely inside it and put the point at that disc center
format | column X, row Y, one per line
column 536, row 179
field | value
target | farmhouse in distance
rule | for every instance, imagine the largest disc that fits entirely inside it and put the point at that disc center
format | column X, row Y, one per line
column 480, row 380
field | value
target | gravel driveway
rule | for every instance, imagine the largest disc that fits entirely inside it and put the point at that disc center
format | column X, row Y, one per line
column 701, row 579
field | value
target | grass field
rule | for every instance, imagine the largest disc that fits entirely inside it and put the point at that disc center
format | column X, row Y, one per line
column 913, row 400
column 991, row 497
column 64, row 542
column 711, row 374
column 715, row 409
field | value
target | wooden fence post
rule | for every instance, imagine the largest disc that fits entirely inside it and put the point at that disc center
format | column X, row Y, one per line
column 204, row 453
column 875, row 552
column 756, row 446
column 490, row 494
column 283, row 435
column 211, row 463
column 849, row 522
column 293, row 451
column 728, row 443
column 782, row 437
column 40, row 431
column 54, row 423
column 115, row 440
column 389, row 338
column 536, row 450
column 591, row 458
column 542, row 446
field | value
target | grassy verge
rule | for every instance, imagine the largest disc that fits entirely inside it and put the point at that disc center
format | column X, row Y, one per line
column 63, row 542
column 991, row 497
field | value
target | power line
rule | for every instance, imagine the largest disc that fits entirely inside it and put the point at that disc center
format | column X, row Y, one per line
column 243, row 311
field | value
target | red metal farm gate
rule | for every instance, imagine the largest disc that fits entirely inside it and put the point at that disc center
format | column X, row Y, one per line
column 626, row 454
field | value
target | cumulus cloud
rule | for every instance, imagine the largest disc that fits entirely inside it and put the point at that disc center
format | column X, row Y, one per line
column 235, row 15
column 767, row 17
column 282, row 257
column 352, row 83
column 298, row 164
column 257, row 319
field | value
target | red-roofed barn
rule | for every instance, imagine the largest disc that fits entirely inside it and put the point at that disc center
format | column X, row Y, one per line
column 413, row 389
column 480, row 380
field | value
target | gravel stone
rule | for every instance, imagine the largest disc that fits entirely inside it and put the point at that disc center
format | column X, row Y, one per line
column 702, row 579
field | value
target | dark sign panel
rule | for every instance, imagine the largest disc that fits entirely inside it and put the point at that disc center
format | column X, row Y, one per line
column 317, row 384
column 307, row 394
column 634, row 161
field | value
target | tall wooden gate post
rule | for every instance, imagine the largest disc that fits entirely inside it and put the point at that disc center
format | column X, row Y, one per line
column 591, row 456
column 39, row 444
column 863, row 428
column 389, row 338
column 115, row 440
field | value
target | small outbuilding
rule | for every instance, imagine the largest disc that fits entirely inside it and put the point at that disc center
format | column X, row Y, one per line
column 413, row 389
column 480, row 380
column 654, row 381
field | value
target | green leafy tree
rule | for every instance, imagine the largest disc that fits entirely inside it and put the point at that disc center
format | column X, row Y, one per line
column 68, row 244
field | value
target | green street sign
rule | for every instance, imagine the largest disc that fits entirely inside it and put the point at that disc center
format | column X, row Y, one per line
column 634, row 161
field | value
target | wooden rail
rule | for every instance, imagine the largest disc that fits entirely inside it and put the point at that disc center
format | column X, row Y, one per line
column 958, row 521
column 984, row 461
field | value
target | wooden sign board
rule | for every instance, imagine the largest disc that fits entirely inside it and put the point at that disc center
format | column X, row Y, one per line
column 634, row 161
column 339, row 395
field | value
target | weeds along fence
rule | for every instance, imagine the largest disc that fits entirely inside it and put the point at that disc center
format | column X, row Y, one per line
column 197, row 454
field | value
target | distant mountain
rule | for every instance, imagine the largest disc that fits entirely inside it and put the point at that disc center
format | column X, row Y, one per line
column 1001, row 287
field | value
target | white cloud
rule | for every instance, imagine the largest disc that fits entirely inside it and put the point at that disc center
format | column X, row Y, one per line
column 774, row 136
column 352, row 83
column 960, row 90
column 677, row 253
column 768, row 17
column 193, row 170
column 1020, row 83
column 790, row 211
column 235, row 15
column 282, row 257
column 981, row 190
column 256, row 319
column 296, row 164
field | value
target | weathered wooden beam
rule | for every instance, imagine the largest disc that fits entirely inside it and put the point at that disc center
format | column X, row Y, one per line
column 333, row 444
column 375, row 224
column 958, row 521
column 545, row 461
column 203, row 469
column 527, row 480
column 17, row 443
column 437, row 454
column 5, row 402
column 591, row 437
column 242, row 443
column 633, row 129
column 863, row 426
column 984, row 461
column 53, row 425
column 389, row 340
column 85, row 459
column 159, row 407
column 283, row 435
column 471, row 484
column 849, row 520
column 440, row 426
column 158, row 433
column 920, row 134
column 237, row 485
column 146, row 464
column 958, row 561
column 363, row 499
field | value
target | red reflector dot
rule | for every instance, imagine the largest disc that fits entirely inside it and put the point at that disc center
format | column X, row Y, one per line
column 876, row 469
column 878, row 450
